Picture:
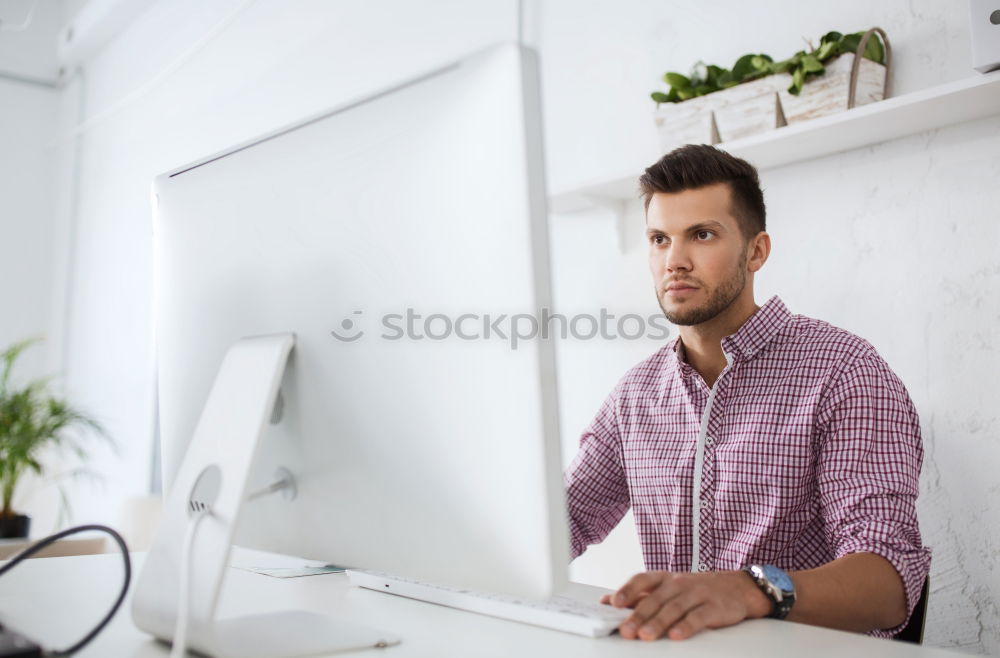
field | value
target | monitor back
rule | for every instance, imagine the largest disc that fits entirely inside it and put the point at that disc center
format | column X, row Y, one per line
column 426, row 446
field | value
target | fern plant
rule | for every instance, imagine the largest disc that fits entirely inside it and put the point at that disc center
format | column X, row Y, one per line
column 32, row 421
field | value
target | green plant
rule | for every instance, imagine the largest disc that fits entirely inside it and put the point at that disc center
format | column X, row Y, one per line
column 707, row 78
column 31, row 421
column 802, row 66
column 805, row 65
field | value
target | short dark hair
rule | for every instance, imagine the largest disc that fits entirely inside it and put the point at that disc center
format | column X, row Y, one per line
column 697, row 165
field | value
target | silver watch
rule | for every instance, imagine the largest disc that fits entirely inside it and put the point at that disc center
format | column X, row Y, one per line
column 777, row 585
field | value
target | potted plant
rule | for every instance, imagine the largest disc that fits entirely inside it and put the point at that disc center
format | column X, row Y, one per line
column 837, row 79
column 688, row 112
column 32, row 421
column 714, row 104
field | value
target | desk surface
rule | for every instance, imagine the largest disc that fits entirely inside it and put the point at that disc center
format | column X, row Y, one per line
column 56, row 600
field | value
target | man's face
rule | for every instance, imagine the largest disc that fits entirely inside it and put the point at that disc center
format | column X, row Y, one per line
column 697, row 253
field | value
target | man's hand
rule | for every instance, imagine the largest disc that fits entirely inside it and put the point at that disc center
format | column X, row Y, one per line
column 679, row 605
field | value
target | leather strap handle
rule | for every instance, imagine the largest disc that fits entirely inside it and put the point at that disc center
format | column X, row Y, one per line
column 856, row 67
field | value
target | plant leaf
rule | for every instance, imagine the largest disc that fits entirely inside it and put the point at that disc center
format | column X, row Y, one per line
column 798, row 79
column 826, row 50
column 850, row 42
column 10, row 356
column 676, row 80
column 743, row 67
column 812, row 65
column 783, row 66
column 874, row 49
column 713, row 74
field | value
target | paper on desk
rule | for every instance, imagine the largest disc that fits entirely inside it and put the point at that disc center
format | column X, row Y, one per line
column 293, row 572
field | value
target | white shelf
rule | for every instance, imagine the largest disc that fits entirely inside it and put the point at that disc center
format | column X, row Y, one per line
column 963, row 100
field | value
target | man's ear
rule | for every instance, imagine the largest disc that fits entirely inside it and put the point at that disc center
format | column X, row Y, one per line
column 758, row 251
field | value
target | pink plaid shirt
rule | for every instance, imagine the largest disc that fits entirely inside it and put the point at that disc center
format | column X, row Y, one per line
column 806, row 449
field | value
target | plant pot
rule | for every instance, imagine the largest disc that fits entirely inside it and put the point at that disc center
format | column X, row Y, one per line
column 828, row 94
column 15, row 527
column 688, row 122
column 751, row 108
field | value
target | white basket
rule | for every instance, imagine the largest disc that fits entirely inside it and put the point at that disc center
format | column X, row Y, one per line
column 757, row 107
column 746, row 109
column 688, row 122
column 751, row 108
column 828, row 94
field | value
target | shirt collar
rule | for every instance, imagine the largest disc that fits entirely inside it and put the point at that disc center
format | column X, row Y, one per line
column 679, row 356
column 756, row 333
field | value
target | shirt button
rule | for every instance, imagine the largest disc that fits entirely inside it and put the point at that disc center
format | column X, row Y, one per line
column 709, row 441
column 706, row 502
column 702, row 567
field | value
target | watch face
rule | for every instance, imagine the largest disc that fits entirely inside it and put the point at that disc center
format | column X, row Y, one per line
column 779, row 578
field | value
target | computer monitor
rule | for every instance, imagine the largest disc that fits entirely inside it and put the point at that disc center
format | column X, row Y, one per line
column 402, row 241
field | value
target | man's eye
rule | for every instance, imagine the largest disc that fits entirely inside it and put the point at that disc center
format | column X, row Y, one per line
column 704, row 235
column 658, row 239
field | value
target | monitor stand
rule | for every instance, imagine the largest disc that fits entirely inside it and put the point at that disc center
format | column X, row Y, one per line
column 213, row 477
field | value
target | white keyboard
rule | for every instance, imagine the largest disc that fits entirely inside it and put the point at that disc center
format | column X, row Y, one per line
column 561, row 613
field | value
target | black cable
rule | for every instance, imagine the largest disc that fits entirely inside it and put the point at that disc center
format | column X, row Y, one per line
column 31, row 550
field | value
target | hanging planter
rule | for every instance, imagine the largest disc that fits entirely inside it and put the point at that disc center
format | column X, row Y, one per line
column 751, row 108
column 690, row 122
column 714, row 105
column 848, row 81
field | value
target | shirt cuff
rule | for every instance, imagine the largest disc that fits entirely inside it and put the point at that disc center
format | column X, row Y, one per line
column 911, row 563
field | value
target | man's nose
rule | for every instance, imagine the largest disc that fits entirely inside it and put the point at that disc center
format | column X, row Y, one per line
column 677, row 258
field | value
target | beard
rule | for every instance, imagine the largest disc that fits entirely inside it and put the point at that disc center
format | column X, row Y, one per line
column 718, row 300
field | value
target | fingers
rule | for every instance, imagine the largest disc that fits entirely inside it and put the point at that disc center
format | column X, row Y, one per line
column 659, row 610
column 679, row 605
column 675, row 626
column 695, row 620
column 638, row 586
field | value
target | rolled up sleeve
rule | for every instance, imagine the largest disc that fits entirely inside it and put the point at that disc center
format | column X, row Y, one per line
column 596, row 489
column 868, row 469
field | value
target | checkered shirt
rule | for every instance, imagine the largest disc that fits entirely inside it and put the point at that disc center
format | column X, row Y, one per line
column 808, row 448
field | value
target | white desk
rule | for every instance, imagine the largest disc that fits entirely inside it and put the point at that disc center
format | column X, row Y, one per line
column 57, row 600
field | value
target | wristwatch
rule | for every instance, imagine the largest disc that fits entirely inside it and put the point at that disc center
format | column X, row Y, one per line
column 776, row 584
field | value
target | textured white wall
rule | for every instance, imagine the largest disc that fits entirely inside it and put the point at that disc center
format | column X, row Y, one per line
column 898, row 243
column 894, row 242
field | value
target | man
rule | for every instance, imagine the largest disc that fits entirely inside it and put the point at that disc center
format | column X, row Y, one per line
column 771, row 460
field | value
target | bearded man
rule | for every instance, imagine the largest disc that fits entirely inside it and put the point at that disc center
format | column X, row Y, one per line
column 771, row 460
